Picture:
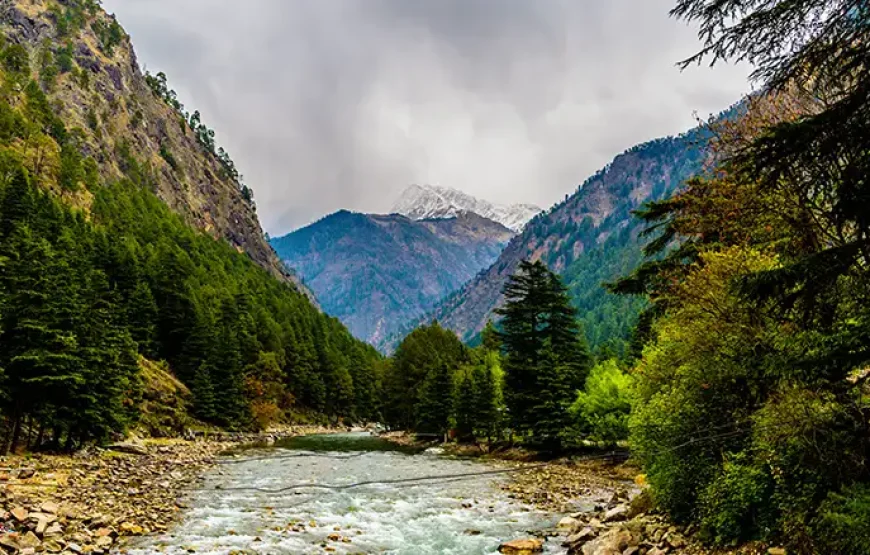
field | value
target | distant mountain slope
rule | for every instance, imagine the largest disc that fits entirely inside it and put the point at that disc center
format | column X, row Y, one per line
column 589, row 238
column 376, row 272
column 420, row 202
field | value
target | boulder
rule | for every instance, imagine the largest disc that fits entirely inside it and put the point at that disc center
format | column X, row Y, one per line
column 613, row 542
column 9, row 542
column 20, row 514
column 29, row 540
column 581, row 537
column 49, row 507
column 568, row 523
column 620, row 512
column 526, row 546
column 132, row 447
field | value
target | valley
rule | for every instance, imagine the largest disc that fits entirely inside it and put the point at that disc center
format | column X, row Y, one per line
column 672, row 358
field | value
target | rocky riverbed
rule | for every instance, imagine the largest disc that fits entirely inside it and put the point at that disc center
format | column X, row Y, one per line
column 97, row 499
column 92, row 501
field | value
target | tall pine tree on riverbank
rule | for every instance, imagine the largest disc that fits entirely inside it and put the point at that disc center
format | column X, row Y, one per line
column 546, row 359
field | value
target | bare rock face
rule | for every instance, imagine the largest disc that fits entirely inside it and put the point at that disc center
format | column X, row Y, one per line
column 121, row 119
column 526, row 546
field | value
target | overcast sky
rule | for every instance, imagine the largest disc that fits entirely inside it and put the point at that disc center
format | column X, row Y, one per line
column 329, row 104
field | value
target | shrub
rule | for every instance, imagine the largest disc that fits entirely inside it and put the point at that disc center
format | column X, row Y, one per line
column 736, row 504
column 603, row 407
column 16, row 59
column 843, row 524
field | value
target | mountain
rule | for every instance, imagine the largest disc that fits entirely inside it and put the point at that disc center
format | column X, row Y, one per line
column 420, row 202
column 589, row 238
column 102, row 91
column 376, row 272
column 127, row 237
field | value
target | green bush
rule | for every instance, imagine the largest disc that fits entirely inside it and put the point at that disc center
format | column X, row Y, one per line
column 843, row 524
column 736, row 505
column 602, row 409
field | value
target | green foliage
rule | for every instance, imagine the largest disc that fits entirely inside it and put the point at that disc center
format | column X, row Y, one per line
column 16, row 59
column 428, row 350
column 110, row 34
column 166, row 154
column 82, row 299
column 436, row 401
column 841, row 525
column 70, row 19
column 64, row 58
column 735, row 505
column 603, row 407
column 751, row 417
column 546, row 359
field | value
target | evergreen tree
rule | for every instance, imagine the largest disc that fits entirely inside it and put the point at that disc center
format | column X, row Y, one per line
column 422, row 353
column 466, row 411
column 436, row 401
column 545, row 355
column 486, row 414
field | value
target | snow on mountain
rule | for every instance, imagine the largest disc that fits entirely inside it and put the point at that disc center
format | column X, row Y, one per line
column 420, row 202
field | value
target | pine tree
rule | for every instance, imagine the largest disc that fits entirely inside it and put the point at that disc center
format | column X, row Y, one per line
column 485, row 402
column 545, row 354
column 436, row 401
column 38, row 347
column 466, row 408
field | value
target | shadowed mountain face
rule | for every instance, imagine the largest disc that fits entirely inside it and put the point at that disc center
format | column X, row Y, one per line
column 589, row 238
column 376, row 273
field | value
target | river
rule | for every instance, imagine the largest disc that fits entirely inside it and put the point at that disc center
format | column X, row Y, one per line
column 451, row 516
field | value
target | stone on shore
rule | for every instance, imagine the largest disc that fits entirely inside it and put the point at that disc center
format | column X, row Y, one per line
column 132, row 447
column 526, row 546
column 616, row 513
column 20, row 513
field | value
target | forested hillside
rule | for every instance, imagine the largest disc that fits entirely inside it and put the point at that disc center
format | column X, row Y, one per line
column 376, row 273
column 589, row 238
column 126, row 235
column 85, row 63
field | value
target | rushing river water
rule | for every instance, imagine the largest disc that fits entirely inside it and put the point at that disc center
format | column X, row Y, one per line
column 459, row 516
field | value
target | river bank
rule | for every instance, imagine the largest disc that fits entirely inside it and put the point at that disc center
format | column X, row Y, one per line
column 606, row 511
column 96, row 499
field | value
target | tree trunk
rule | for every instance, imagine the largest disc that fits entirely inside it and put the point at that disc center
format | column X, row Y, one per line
column 16, row 435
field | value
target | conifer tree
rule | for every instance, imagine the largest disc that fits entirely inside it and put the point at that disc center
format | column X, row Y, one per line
column 545, row 354
column 466, row 410
column 436, row 401
column 485, row 402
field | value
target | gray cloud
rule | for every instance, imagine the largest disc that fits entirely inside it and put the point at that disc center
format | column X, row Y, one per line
column 328, row 104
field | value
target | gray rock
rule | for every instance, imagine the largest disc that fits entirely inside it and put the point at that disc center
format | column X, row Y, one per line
column 580, row 537
column 616, row 513
column 131, row 447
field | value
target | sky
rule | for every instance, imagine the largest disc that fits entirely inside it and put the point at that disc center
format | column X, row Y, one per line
column 341, row 104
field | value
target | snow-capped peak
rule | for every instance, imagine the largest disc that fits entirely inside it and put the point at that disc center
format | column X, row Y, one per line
column 420, row 202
